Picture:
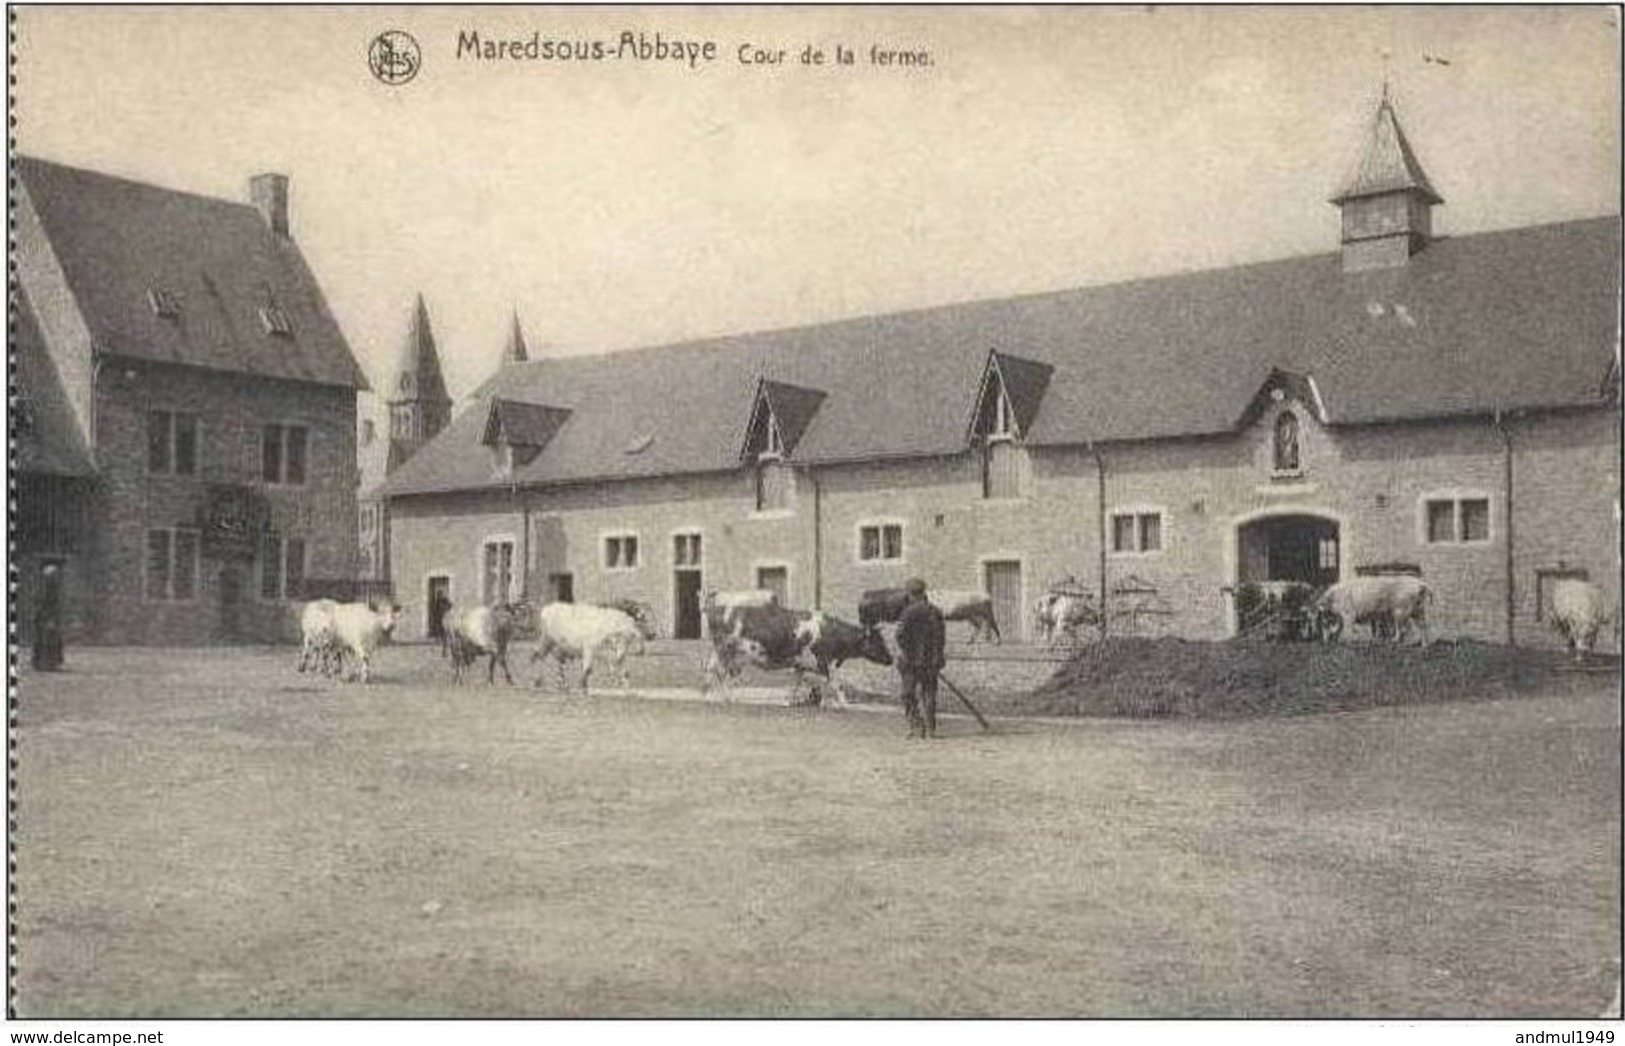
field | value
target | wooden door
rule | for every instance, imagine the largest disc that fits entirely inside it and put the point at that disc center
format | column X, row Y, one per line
column 1002, row 581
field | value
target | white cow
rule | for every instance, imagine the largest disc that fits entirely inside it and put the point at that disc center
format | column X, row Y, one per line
column 1399, row 600
column 567, row 631
column 319, row 645
column 1058, row 615
column 1577, row 613
column 359, row 629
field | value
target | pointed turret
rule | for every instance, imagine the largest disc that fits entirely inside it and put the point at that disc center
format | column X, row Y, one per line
column 419, row 405
column 1387, row 199
column 516, row 351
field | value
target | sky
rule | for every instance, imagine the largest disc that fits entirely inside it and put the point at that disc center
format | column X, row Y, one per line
column 623, row 203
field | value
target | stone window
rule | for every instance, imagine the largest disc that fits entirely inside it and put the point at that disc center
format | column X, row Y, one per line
column 880, row 542
column 621, row 552
column 282, row 454
column 282, row 567
column 1136, row 533
column 172, row 564
column 686, row 551
column 496, row 573
column 1456, row 520
column 172, row 440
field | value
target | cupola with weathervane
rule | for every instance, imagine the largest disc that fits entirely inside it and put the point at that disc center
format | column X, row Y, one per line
column 1387, row 202
column 779, row 417
column 1007, row 403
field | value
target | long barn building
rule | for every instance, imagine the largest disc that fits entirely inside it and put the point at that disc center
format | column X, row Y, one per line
column 1444, row 403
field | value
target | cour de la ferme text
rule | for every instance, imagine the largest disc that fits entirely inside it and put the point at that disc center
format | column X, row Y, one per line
column 657, row 48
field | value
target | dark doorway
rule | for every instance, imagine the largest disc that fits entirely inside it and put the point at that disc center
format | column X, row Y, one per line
column 687, row 623
column 231, row 600
column 561, row 588
column 436, row 601
column 1289, row 548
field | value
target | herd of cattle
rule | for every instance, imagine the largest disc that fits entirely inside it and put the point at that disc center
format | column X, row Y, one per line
column 750, row 628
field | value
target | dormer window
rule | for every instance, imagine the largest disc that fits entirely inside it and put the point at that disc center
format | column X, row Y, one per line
column 275, row 320
column 1288, row 456
column 165, row 303
column 1006, row 404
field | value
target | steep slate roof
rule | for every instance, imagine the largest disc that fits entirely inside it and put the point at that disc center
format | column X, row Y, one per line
column 50, row 441
column 1388, row 164
column 417, row 374
column 1504, row 320
column 116, row 239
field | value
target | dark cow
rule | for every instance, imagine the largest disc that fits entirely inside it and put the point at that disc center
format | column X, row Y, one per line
column 475, row 631
column 884, row 605
column 774, row 637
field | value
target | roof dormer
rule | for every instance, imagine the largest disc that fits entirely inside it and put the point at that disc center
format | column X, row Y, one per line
column 1008, row 398
column 517, row 431
column 778, row 419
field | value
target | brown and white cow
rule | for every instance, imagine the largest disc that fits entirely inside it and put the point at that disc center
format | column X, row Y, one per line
column 774, row 638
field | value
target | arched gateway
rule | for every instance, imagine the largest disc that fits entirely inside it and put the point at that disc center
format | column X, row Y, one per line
column 1289, row 547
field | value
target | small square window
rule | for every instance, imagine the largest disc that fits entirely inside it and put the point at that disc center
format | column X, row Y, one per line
column 880, row 542
column 1136, row 532
column 1455, row 521
column 621, row 552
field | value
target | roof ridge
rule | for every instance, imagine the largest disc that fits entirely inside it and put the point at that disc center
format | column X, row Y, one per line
column 133, row 183
column 715, row 340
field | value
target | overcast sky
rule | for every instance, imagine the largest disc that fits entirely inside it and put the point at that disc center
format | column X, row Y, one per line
column 619, row 203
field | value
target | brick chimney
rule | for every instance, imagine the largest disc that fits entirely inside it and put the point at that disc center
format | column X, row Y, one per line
column 269, row 195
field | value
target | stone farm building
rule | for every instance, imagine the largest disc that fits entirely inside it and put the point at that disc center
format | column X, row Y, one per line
column 1444, row 404
column 184, row 410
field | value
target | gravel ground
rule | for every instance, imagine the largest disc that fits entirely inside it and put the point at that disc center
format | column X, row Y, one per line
column 207, row 833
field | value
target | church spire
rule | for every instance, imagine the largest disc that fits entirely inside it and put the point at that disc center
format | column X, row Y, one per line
column 419, row 405
column 516, row 351
column 1387, row 199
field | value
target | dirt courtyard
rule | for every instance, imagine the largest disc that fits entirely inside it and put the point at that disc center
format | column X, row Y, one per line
column 208, row 833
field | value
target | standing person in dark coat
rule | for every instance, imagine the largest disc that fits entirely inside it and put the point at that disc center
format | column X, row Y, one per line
column 48, row 620
column 921, row 637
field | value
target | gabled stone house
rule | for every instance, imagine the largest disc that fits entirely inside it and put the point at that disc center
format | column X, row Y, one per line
column 186, row 445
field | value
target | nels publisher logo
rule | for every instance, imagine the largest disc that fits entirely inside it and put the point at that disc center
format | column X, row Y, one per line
column 394, row 57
